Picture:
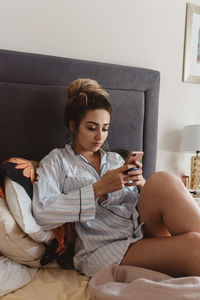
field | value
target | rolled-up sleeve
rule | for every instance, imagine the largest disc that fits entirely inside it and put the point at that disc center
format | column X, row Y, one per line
column 51, row 207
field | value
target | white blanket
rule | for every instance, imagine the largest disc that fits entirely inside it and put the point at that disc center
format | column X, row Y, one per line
column 13, row 275
column 129, row 283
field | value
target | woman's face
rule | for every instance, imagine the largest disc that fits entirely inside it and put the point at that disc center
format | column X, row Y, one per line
column 92, row 131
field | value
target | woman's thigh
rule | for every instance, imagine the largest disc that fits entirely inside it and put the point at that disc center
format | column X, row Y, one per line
column 175, row 255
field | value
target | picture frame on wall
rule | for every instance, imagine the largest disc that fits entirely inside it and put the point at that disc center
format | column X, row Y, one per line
column 191, row 66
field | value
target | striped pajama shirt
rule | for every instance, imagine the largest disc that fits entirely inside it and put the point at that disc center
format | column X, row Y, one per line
column 63, row 192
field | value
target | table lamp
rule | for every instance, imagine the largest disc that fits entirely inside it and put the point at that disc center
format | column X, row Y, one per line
column 190, row 141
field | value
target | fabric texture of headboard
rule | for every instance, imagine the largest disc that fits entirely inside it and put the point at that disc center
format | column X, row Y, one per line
column 33, row 96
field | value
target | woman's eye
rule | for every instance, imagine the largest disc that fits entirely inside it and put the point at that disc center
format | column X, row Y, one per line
column 91, row 128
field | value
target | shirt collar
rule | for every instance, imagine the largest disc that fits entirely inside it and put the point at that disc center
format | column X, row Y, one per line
column 103, row 153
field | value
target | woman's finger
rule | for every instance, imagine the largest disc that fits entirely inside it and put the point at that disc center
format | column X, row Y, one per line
column 135, row 173
column 138, row 164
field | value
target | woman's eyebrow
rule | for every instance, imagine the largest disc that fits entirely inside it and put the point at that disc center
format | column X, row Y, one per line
column 94, row 123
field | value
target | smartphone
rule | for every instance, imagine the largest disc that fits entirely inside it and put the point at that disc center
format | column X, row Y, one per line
column 133, row 155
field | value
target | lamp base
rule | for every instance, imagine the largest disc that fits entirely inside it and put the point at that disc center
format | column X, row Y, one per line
column 195, row 172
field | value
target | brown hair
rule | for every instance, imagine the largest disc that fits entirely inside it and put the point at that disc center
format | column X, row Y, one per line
column 84, row 95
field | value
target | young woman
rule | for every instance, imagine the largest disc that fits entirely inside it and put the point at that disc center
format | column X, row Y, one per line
column 157, row 228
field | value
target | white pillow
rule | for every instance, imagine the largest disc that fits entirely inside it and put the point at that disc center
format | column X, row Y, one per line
column 20, row 206
column 14, row 243
column 13, row 275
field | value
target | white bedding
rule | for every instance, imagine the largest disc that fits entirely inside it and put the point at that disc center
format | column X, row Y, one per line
column 128, row 283
column 53, row 284
column 14, row 275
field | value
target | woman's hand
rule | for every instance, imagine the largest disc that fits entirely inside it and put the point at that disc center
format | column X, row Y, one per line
column 136, row 176
column 113, row 180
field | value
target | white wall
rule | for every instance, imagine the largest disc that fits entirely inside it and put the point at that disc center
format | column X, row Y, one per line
column 143, row 33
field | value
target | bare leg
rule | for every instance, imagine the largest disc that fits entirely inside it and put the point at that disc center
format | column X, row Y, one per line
column 175, row 255
column 172, row 221
column 166, row 206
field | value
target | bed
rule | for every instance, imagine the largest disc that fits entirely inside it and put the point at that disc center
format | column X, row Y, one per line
column 32, row 99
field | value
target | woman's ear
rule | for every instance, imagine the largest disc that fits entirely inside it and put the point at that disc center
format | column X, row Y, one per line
column 72, row 126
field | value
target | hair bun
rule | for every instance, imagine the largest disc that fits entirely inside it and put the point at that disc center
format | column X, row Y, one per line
column 84, row 86
column 84, row 95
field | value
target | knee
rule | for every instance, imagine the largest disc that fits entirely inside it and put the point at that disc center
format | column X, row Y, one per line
column 162, row 175
column 162, row 178
column 162, row 185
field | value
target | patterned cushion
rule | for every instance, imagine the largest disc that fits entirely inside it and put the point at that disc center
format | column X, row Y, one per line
column 17, row 176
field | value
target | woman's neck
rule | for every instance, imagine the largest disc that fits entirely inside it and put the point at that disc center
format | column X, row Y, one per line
column 93, row 158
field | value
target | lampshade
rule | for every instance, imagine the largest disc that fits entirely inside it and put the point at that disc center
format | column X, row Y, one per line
column 190, row 140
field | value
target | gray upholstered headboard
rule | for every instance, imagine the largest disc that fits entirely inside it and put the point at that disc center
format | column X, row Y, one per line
column 33, row 95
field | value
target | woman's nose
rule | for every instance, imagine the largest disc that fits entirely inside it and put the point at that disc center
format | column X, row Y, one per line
column 99, row 135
